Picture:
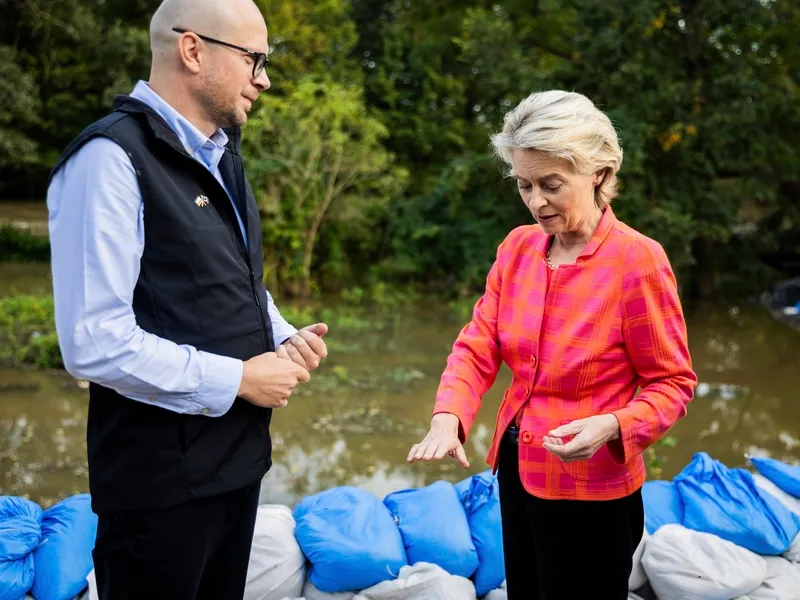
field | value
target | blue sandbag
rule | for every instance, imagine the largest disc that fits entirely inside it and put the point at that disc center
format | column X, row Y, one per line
column 350, row 538
column 786, row 477
column 462, row 488
column 727, row 503
column 20, row 534
column 434, row 527
column 662, row 505
column 482, row 506
column 64, row 558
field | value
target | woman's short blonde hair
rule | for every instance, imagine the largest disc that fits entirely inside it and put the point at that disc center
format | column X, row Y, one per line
column 565, row 125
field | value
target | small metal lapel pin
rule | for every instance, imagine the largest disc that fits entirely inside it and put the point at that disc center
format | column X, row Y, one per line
column 201, row 201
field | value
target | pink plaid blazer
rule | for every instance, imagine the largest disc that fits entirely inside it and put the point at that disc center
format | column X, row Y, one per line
column 579, row 340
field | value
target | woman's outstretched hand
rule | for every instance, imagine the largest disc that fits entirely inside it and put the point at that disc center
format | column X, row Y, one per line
column 589, row 434
column 442, row 440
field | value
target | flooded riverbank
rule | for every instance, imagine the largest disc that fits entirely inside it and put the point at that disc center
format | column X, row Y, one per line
column 354, row 423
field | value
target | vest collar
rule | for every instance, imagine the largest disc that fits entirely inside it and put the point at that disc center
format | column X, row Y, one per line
column 161, row 129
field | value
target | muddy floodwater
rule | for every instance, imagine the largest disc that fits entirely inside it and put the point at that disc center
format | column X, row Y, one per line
column 354, row 423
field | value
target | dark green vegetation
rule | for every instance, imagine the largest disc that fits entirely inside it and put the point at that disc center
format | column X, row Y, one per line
column 370, row 153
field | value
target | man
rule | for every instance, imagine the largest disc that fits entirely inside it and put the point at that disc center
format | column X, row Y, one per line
column 157, row 270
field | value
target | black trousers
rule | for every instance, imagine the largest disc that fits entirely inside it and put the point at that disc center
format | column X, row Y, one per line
column 565, row 549
column 195, row 551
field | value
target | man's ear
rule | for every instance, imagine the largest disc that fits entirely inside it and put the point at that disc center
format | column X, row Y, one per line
column 190, row 52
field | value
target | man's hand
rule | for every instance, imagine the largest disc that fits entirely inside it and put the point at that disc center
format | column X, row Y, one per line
column 306, row 348
column 268, row 381
column 590, row 434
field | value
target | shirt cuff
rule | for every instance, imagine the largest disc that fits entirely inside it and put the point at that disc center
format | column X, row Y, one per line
column 218, row 390
column 281, row 333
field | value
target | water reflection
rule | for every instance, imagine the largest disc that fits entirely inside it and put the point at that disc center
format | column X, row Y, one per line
column 355, row 422
column 25, row 278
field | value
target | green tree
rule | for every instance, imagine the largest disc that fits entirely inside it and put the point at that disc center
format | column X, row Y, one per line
column 309, row 37
column 709, row 116
column 311, row 154
column 19, row 110
column 74, row 56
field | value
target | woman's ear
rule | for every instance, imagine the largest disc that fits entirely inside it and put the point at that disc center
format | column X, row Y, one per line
column 599, row 177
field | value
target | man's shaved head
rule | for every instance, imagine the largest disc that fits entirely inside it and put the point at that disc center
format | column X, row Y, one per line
column 219, row 19
column 212, row 84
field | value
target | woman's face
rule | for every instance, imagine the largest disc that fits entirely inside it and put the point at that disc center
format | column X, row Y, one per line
column 561, row 200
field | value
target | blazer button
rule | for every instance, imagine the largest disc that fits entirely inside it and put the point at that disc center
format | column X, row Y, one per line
column 526, row 437
column 533, row 360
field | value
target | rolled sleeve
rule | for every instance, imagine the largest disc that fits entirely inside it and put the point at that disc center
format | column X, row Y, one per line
column 654, row 331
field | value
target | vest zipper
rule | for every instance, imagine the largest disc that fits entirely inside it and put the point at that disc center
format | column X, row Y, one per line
column 260, row 309
column 233, row 229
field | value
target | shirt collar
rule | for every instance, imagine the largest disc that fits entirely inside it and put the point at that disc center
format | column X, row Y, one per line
column 605, row 225
column 207, row 149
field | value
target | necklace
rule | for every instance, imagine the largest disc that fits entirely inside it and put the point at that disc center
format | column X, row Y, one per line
column 550, row 264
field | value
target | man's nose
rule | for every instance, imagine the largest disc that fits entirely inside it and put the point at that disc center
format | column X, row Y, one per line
column 262, row 82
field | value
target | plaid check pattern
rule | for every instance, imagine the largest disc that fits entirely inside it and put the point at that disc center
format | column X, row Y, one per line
column 580, row 341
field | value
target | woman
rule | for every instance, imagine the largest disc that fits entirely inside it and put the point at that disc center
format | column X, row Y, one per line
column 584, row 310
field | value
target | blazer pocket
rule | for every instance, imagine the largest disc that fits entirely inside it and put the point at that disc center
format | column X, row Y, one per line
column 599, row 467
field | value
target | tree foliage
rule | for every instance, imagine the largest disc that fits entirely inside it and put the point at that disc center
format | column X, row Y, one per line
column 704, row 94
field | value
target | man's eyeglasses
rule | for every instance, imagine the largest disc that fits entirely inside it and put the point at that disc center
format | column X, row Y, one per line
column 260, row 59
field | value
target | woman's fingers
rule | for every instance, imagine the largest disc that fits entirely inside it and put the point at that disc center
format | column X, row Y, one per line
column 435, row 446
column 412, row 452
column 445, row 448
column 422, row 449
column 581, row 447
column 461, row 457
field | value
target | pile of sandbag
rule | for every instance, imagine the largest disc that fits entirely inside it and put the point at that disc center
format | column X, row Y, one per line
column 712, row 533
column 353, row 539
column 720, row 533
column 441, row 536
column 46, row 554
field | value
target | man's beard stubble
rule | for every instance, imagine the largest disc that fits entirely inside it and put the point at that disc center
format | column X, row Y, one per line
column 220, row 109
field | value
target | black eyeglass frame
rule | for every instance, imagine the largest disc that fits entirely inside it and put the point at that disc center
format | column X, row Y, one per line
column 260, row 59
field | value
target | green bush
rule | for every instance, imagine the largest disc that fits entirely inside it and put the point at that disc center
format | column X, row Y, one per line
column 27, row 332
column 18, row 245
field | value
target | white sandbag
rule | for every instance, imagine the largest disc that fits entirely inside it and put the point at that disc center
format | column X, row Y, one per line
column 682, row 564
column 793, row 553
column 783, row 581
column 790, row 502
column 422, row 580
column 498, row 594
column 277, row 567
column 638, row 577
column 310, row 592
column 82, row 596
column 91, row 593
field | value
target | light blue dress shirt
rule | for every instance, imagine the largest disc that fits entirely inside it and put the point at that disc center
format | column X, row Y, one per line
column 97, row 240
